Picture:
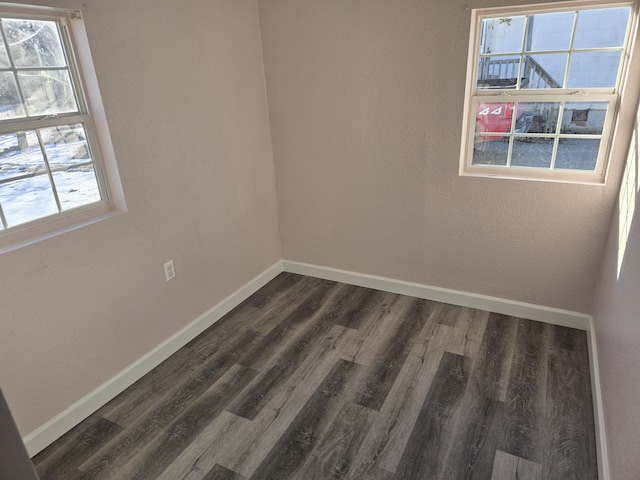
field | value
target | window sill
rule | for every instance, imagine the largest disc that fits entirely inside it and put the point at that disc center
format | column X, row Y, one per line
column 535, row 175
column 57, row 226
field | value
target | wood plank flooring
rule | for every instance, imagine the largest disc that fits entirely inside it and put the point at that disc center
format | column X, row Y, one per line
column 312, row 379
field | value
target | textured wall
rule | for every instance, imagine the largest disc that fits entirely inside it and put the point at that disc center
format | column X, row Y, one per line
column 615, row 311
column 183, row 88
column 365, row 103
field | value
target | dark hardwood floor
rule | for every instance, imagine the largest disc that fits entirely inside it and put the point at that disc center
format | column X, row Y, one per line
column 312, row 379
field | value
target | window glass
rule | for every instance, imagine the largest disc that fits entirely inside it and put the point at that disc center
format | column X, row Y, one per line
column 488, row 151
column 580, row 118
column 498, row 72
column 577, row 153
column 534, row 152
column 545, row 70
column 542, row 117
column 27, row 199
column 503, row 35
column 602, row 28
column 550, row 31
column 10, row 103
column 20, row 154
column 47, row 92
column 65, row 145
column 34, row 43
column 76, row 186
column 594, row 69
column 4, row 59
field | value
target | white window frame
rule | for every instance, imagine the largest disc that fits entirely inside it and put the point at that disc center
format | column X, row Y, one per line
column 91, row 114
column 473, row 95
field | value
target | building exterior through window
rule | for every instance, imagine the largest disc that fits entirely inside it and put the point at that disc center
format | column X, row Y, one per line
column 542, row 91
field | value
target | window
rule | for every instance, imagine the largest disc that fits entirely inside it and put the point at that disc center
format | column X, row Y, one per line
column 57, row 168
column 543, row 86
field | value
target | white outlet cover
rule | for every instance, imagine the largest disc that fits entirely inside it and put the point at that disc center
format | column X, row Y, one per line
column 169, row 270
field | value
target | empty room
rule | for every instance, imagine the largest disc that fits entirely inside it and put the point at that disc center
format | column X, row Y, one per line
column 360, row 239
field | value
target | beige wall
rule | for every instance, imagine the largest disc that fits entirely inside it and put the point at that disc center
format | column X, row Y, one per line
column 183, row 87
column 616, row 313
column 365, row 103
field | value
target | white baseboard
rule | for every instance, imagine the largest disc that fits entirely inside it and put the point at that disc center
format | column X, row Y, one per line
column 556, row 316
column 601, row 437
column 76, row 413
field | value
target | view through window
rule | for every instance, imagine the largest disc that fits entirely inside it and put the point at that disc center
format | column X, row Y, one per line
column 50, row 165
column 544, row 90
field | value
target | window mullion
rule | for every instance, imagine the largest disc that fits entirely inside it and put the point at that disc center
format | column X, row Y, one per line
column 45, row 158
column 522, row 50
column 8, row 127
column 72, row 65
column 554, row 153
column 571, row 43
column 21, row 177
column 556, row 141
column 3, row 219
column 38, row 174
column 510, row 149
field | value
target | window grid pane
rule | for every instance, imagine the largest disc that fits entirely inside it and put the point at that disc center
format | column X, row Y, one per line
column 541, row 135
column 550, row 48
column 11, row 105
column 47, row 92
column 44, row 172
column 33, row 43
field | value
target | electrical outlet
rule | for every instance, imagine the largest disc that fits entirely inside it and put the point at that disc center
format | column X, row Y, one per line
column 169, row 270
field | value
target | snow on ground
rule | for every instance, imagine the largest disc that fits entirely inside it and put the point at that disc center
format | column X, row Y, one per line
column 27, row 199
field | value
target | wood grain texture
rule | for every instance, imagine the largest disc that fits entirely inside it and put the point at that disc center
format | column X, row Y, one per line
column 524, row 423
column 379, row 328
column 465, row 337
column 392, row 354
column 510, row 467
column 334, row 455
column 289, row 358
column 431, row 439
column 299, row 440
column 385, row 442
column 218, row 472
column 247, row 445
column 360, row 305
column 165, row 447
column 493, row 363
column 144, row 429
column 570, row 450
column 473, row 444
column 312, row 379
column 61, row 460
column 271, row 344
column 199, row 457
